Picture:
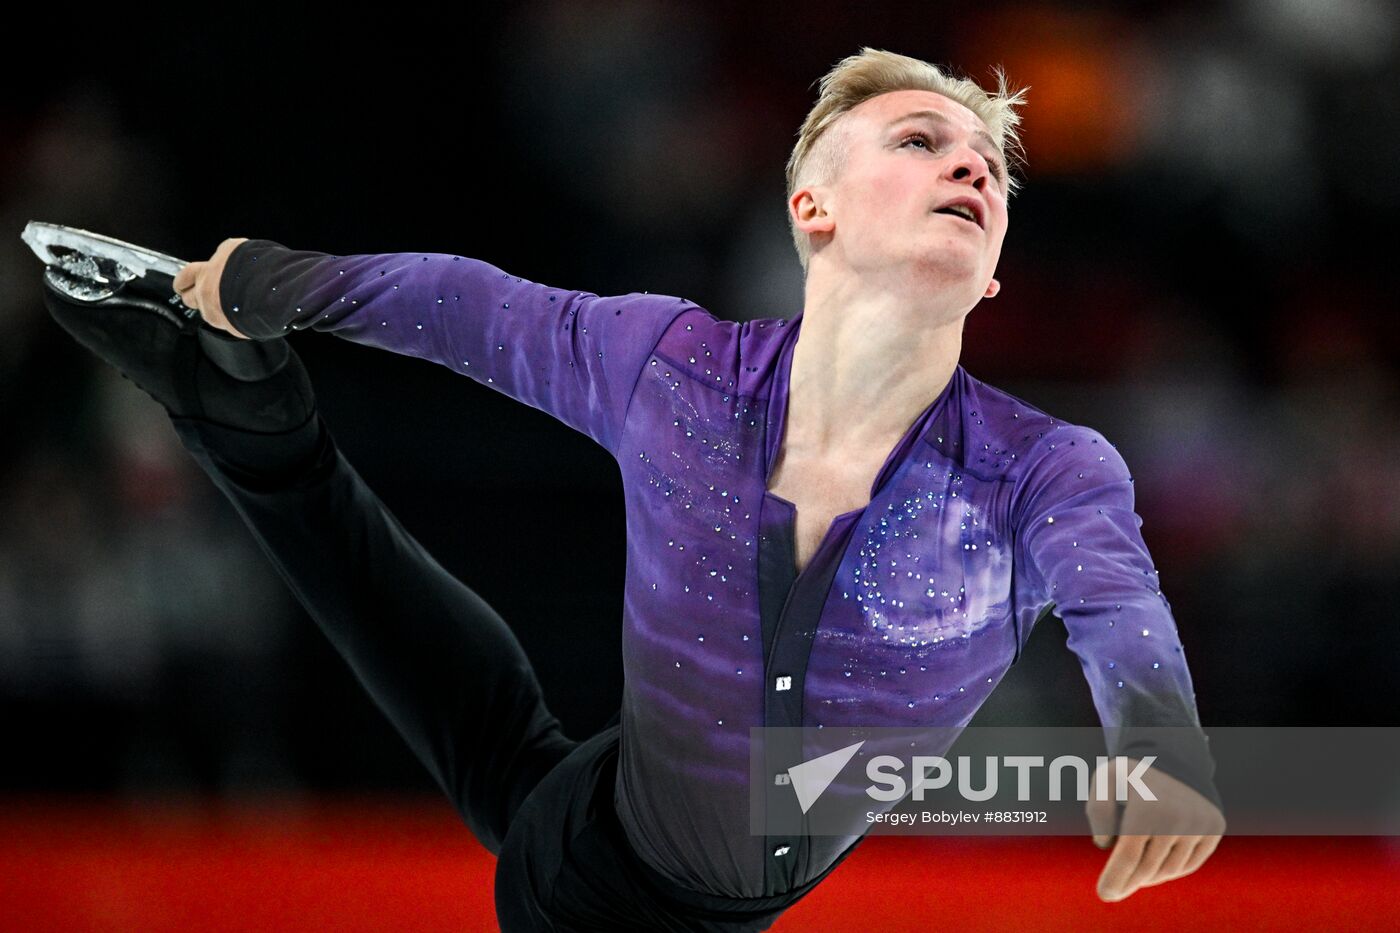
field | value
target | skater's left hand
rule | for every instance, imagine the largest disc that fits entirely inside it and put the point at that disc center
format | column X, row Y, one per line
column 1188, row 828
column 197, row 284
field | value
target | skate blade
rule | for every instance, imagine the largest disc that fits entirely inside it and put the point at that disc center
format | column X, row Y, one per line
column 88, row 267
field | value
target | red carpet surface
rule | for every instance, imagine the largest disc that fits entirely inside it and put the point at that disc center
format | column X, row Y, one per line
column 352, row 865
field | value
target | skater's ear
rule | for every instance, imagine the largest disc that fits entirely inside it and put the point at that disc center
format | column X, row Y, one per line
column 810, row 209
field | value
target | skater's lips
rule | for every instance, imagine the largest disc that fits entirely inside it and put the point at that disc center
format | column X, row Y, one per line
column 957, row 206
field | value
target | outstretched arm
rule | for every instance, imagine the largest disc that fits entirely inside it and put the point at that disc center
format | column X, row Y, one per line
column 572, row 354
column 1082, row 539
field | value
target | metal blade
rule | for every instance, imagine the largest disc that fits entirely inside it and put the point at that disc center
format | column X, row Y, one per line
column 67, row 247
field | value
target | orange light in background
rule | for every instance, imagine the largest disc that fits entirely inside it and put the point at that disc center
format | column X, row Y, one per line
column 1084, row 78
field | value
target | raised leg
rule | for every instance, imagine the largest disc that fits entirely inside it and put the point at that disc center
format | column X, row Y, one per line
column 437, row 659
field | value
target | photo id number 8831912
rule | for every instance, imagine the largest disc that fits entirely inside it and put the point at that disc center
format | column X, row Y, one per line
column 1015, row 816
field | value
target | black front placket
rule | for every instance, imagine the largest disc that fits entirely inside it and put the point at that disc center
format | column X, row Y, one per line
column 790, row 607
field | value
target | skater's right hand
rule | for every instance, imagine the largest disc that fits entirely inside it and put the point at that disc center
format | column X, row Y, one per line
column 197, row 284
column 1160, row 841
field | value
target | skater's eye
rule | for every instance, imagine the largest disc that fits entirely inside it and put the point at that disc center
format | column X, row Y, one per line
column 922, row 137
column 997, row 171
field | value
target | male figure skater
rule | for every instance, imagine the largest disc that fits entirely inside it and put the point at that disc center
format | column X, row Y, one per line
column 830, row 522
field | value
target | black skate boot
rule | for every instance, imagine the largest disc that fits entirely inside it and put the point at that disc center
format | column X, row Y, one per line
column 192, row 369
column 243, row 408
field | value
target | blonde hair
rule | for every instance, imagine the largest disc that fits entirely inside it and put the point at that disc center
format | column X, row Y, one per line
column 819, row 154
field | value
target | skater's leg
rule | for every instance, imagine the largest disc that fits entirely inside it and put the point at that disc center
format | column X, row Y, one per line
column 436, row 658
column 439, row 662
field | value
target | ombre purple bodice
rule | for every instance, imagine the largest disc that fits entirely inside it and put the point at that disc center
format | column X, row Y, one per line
column 986, row 513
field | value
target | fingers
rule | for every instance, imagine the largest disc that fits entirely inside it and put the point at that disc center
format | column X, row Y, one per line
column 1103, row 820
column 1198, row 856
column 1157, row 842
column 1113, row 883
column 1174, row 865
column 1157, row 860
column 192, row 284
column 1149, row 867
column 197, row 284
column 186, row 280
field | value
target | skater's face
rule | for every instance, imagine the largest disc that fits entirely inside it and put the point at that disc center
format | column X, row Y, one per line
column 911, row 157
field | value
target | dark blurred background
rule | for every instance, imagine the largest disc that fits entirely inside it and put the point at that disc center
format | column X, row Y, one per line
column 1197, row 267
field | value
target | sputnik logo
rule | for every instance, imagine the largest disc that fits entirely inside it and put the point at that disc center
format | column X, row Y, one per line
column 811, row 778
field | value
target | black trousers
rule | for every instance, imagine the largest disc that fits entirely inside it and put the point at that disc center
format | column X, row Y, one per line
column 454, row 681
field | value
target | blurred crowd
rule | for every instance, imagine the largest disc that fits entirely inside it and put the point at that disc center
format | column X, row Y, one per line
column 1196, row 267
